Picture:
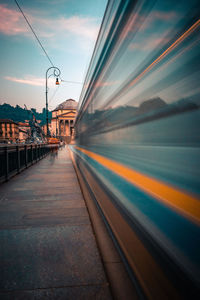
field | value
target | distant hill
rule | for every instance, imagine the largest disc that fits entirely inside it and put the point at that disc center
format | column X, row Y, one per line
column 19, row 114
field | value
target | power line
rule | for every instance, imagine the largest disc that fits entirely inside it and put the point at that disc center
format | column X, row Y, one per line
column 34, row 33
column 59, row 86
column 71, row 81
column 54, row 94
column 76, row 82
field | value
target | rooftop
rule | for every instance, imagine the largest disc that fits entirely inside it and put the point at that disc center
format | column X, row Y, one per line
column 8, row 121
column 67, row 104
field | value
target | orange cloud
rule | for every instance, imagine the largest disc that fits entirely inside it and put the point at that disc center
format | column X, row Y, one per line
column 79, row 26
column 11, row 21
column 31, row 80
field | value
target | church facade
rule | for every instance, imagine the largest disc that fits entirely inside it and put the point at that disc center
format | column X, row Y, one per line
column 63, row 118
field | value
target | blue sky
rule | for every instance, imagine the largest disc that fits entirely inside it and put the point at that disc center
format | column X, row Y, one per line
column 67, row 29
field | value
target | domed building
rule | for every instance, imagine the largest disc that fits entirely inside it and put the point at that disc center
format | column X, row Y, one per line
column 63, row 117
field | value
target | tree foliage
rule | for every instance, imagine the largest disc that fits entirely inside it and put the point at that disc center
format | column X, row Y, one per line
column 19, row 114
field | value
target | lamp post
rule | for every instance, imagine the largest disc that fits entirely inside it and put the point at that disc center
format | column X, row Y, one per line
column 56, row 73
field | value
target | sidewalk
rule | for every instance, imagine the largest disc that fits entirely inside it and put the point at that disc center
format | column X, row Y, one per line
column 48, row 249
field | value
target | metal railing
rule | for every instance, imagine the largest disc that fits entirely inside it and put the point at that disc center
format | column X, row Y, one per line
column 15, row 158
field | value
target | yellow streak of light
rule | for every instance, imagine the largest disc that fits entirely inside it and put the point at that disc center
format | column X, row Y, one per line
column 175, row 44
column 185, row 203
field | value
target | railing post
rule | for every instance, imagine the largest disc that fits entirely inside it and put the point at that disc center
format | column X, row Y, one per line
column 39, row 152
column 6, row 163
column 36, row 152
column 18, row 158
column 45, row 150
column 14, row 161
column 31, row 154
column 26, row 156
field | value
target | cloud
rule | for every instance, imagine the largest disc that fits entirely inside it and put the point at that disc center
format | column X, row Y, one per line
column 79, row 26
column 31, row 80
column 12, row 23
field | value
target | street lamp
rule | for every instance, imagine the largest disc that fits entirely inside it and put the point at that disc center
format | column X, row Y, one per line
column 56, row 73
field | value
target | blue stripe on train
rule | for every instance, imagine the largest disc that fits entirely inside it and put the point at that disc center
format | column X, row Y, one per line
column 182, row 233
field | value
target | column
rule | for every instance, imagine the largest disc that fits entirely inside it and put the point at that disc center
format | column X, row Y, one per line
column 60, row 127
column 65, row 128
column 68, row 127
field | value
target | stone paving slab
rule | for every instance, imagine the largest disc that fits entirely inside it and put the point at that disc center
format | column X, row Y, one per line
column 48, row 249
column 77, row 293
column 36, row 211
column 49, row 257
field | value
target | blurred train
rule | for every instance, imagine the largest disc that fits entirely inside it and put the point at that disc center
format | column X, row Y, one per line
column 138, row 138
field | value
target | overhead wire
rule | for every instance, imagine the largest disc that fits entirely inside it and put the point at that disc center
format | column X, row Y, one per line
column 34, row 33
column 39, row 42
column 77, row 82
column 54, row 94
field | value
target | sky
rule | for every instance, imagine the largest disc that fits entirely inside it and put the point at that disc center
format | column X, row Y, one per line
column 68, row 31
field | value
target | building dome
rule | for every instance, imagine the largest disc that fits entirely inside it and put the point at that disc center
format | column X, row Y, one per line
column 67, row 104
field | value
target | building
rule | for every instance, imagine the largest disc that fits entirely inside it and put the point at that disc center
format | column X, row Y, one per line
column 62, row 122
column 9, row 131
column 24, row 131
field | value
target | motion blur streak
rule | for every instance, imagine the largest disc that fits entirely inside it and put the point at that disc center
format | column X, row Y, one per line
column 187, row 204
column 138, row 143
column 179, row 40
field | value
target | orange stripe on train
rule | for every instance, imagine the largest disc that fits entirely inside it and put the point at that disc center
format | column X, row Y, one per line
column 183, row 202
